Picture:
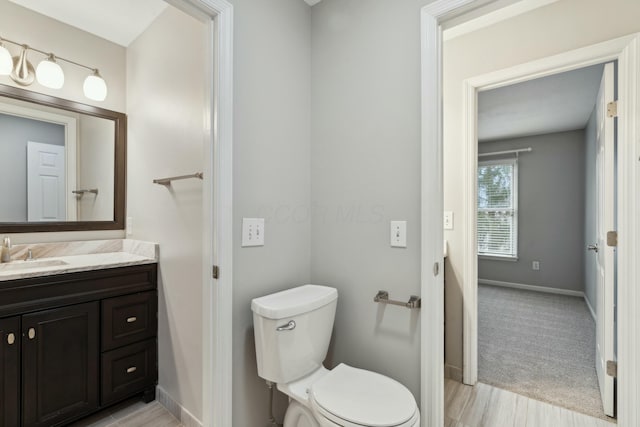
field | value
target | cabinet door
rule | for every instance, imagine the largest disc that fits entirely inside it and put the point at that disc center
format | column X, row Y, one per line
column 59, row 364
column 10, row 372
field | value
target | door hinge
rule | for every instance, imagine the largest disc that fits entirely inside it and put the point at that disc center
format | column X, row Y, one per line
column 215, row 273
column 612, row 238
column 612, row 109
column 612, row 368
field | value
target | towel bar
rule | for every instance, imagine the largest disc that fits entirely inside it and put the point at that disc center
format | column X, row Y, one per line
column 167, row 181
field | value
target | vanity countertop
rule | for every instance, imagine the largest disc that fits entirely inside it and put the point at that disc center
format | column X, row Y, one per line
column 70, row 257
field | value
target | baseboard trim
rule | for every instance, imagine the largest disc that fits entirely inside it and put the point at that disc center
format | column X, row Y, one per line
column 531, row 287
column 593, row 313
column 453, row 373
column 185, row 417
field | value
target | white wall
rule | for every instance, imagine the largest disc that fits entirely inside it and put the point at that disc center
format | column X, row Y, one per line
column 165, row 104
column 559, row 27
column 365, row 171
column 272, row 90
column 96, row 164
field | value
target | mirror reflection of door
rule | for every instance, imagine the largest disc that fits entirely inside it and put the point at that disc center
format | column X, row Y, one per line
column 46, row 183
column 87, row 145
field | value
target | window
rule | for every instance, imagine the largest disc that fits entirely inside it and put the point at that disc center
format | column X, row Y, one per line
column 498, row 208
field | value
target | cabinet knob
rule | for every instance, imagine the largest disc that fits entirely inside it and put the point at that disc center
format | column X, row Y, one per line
column 131, row 319
column 32, row 333
column 131, row 369
column 11, row 338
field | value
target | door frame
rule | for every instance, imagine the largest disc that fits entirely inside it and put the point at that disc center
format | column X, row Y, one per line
column 217, row 227
column 626, row 51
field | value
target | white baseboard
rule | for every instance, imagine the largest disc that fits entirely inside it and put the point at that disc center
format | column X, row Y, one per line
column 531, row 287
column 453, row 373
column 177, row 410
column 593, row 313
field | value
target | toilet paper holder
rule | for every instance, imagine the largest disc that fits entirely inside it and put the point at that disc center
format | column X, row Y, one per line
column 383, row 298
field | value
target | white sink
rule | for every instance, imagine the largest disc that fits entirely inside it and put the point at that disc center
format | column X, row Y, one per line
column 26, row 265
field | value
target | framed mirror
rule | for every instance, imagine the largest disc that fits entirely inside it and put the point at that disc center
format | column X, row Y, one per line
column 62, row 164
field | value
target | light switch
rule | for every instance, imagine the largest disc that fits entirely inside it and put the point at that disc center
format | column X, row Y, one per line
column 448, row 220
column 398, row 234
column 252, row 232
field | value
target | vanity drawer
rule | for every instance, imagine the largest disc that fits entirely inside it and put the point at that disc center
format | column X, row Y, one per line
column 128, row 370
column 128, row 319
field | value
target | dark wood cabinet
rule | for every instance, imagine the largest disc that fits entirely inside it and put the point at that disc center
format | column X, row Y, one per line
column 10, row 372
column 76, row 343
column 59, row 364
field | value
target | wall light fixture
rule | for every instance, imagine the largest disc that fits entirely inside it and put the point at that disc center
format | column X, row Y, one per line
column 48, row 73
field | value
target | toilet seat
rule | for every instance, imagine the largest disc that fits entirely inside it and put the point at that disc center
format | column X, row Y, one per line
column 354, row 397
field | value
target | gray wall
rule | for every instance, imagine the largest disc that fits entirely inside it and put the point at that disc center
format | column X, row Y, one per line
column 15, row 132
column 272, row 97
column 590, row 211
column 551, row 200
column 365, row 171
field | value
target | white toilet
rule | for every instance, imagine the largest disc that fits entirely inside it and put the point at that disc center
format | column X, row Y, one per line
column 292, row 331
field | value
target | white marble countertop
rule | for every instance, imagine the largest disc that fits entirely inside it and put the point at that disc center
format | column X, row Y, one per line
column 70, row 257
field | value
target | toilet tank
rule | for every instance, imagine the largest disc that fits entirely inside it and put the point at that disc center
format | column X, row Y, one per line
column 292, row 330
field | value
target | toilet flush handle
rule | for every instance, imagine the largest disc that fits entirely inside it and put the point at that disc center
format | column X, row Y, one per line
column 288, row 327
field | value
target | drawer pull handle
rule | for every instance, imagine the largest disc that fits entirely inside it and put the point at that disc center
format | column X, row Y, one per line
column 131, row 369
column 32, row 333
column 131, row 319
column 11, row 338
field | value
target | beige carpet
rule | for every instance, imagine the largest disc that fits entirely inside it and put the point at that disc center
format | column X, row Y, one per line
column 539, row 345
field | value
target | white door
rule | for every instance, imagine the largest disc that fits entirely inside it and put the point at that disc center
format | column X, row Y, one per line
column 605, row 254
column 46, row 183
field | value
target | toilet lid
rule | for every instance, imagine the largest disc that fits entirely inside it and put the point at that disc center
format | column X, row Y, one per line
column 363, row 397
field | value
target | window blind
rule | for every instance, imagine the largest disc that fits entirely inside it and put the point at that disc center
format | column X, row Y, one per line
column 497, row 208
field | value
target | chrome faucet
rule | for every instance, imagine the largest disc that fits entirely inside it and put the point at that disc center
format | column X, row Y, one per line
column 6, row 250
column 29, row 256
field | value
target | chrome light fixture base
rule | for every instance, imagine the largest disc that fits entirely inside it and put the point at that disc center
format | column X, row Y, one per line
column 23, row 72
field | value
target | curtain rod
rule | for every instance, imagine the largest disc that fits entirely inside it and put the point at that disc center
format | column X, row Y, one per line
column 497, row 153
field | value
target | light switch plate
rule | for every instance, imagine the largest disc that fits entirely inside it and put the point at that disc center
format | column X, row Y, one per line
column 398, row 234
column 252, row 232
column 448, row 220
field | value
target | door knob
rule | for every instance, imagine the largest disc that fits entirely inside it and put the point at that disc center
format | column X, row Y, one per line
column 593, row 248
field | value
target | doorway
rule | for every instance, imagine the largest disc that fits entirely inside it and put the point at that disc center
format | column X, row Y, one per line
column 537, row 213
column 627, row 51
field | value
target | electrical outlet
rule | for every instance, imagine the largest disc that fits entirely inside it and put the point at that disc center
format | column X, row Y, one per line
column 448, row 220
column 398, row 234
column 129, row 225
column 252, row 232
column 535, row 265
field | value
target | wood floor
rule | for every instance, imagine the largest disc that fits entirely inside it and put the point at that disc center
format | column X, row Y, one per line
column 487, row 406
column 131, row 414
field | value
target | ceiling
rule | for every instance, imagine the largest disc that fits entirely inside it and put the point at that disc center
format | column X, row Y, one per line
column 119, row 21
column 556, row 103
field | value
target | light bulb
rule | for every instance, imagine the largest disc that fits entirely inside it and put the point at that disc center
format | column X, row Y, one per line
column 6, row 62
column 49, row 73
column 95, row 87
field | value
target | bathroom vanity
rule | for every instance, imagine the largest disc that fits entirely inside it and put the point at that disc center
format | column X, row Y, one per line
column 78, row 333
